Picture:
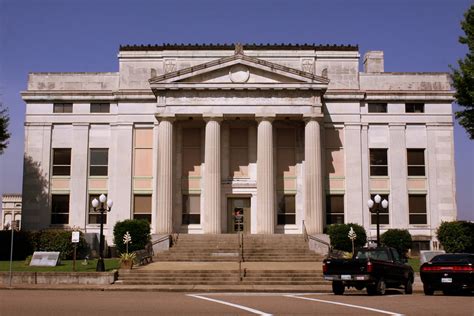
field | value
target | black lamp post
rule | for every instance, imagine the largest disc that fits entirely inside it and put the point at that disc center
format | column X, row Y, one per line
column 105, row 206
column 376, row 206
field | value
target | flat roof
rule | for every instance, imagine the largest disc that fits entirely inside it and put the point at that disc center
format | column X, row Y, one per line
column 225, row 46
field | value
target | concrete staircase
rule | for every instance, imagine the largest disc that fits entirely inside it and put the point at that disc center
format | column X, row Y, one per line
column 225, row 247
column 271, row 262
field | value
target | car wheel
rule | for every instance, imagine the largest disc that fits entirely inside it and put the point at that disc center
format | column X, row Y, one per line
column 409, row 286
column 338, row 288
column 360, row 287
column 428, row 289
column 381, row 286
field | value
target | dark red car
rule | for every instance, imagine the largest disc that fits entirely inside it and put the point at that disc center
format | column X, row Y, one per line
column 450, row 273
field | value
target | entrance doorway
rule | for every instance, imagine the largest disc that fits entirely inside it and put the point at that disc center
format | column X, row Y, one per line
column 238, row 206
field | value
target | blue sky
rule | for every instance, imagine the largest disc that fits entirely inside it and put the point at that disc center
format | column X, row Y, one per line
column 61, row 35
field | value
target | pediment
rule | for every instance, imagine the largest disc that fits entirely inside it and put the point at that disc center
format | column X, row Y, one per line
column 241, row 72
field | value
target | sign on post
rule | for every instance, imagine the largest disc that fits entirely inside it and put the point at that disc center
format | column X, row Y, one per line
column 75, row 237
column 75, row 241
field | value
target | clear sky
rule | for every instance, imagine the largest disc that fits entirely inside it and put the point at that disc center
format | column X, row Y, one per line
column 74, row 35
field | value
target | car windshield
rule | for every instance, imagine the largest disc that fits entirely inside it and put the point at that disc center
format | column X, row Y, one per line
column 454, row 258
column 377, row 254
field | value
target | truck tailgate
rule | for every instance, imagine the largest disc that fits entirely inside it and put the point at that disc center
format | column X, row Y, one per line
column 346, row 266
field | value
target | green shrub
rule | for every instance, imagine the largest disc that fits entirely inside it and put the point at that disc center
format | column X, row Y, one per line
column 457, row 236
column 139, row 229
column 339, row 239
column 22, row 246
column 399, row 239
column 59, row 240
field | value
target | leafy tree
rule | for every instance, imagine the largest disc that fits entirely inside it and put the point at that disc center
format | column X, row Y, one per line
column 338, row 234
column 399, row 239
column 463, row 78
column 4, row 134
column 457, row 236
column 139, row 230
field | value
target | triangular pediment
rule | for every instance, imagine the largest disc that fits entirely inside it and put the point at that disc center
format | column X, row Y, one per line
column 238, row 71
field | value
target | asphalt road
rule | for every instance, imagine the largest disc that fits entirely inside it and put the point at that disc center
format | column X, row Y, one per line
column 37, row 302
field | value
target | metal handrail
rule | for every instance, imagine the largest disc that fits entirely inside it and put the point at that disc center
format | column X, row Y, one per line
column 305, row 232
column 154, row 242
column 307, row 237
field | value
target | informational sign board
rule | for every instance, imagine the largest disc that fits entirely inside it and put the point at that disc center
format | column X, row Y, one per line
column 44, row 259
column 75, row 237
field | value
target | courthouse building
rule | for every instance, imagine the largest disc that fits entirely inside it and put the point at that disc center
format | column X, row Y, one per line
column 186, row 135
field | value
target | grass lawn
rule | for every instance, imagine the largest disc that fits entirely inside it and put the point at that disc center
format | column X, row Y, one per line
column 65, row 266
column 415, row 264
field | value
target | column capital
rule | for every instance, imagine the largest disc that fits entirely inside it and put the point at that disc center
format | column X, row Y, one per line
column 213, row 117
column 165, row 117
column 265, row 117
column 313, row 117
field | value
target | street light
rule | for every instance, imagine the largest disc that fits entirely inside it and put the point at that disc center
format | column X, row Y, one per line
column 376, row 206
column 104, row 207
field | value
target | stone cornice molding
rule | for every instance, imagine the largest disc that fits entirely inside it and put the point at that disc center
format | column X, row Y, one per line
column 313, row 117
column 217, row 117
column 169, row 117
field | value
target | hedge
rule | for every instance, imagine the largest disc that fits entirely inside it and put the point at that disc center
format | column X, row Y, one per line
column 22, row 246
column 139, row 230
column 457, row 236
column 339, row 239
column 399, row 239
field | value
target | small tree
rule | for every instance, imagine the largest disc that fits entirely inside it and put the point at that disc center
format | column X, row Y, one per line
column 338, row 234
column 457, row 236
column 399, row 239
column 139, row 231
column 4, row 134
column 463, row 78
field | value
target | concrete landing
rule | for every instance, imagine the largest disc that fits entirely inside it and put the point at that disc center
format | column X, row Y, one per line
column 231, row 265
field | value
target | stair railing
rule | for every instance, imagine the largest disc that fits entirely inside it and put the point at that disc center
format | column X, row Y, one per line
column 241, row 253
column 307, row 237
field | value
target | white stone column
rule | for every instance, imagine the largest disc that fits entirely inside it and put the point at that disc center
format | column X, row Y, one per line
column 164, row 215
column 154, row 201
column 313, row 177
column 78, row 216
column 355, row 205
column 265, row 177
column 398, row 206
column 212, row 177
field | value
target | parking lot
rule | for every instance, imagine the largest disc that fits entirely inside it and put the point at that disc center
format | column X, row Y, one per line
column 45, row 302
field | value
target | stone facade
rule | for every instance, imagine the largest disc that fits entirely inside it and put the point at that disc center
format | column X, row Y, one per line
column 188, row 135
column 11, row 210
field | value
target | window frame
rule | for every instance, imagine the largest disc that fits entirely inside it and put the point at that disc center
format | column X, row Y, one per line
column 411, row 107
column 55, row 166
column 59, row 213
column 141, row 214
column 188, row 218
column 373, row 167
column 385, row 212
column 103, row 107
column 62, row 107
column 416, row 213
column 98, row 166
column 93, row 214
column 283, row 217
column 413, row 167
column 377, row 107
column 330, row 214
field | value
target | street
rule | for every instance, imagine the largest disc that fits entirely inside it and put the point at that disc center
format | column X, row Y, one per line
column 51, row 302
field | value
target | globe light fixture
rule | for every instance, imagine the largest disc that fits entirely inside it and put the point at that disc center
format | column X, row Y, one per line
column 376, row 206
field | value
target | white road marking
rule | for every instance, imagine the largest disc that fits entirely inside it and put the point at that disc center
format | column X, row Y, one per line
column 344, row 304
column 259, row 294
column 245, row 308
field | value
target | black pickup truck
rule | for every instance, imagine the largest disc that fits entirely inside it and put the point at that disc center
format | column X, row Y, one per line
column 373, row 268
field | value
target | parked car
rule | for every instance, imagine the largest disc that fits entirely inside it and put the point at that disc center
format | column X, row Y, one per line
column 372, row 268
column 449, row 273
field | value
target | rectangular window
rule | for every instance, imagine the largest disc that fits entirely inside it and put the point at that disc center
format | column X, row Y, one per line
column 414, row 107
column 100, row 107
column 383, row 212
column 142, row 207
column 378, row 162
column 377, row 107
column 417, row 208
column 60, row 209
column 286, row 209
column 191, row 209
column 61, row 161
column 94, row 216
column 62, row 108
column 334, row 209
column 416, row 162
column 99, row 161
